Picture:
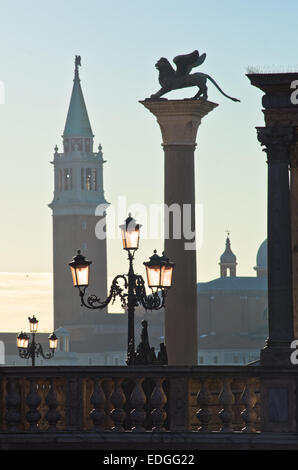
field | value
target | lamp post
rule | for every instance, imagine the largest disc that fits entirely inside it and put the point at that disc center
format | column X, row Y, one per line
column 131, row 291
column 32, row 349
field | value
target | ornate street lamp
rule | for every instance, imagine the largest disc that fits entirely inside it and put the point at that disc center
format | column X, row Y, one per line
column 31, row 349
column 131, row 292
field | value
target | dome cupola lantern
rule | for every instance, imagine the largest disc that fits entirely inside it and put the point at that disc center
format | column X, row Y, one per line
column 228, row 261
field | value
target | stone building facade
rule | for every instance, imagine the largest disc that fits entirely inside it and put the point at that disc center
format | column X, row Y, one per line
column 232, row 312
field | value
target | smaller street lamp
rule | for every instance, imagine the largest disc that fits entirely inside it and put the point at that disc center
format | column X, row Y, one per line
column 53, row 341
column 22, row 340
column 31, row 349
column 33, row 322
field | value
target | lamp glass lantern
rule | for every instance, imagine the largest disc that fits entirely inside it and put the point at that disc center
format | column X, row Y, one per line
column 80, row 270
column 130, row 232
column 159, row 271
column 167, row 272
column 33, row 324
column 22, row 341
column 53, row 341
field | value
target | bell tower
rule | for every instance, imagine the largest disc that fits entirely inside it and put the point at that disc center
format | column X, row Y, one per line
column 228, row 261
column 78, row 190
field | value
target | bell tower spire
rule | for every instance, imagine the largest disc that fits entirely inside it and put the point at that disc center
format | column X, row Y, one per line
column 77, row 131
column 228, row 260
column 78, row 190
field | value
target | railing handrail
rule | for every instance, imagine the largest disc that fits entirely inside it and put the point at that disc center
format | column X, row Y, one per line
column 146, row 371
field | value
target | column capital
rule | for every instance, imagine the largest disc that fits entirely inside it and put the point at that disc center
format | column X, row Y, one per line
column 179, row 119
column 277, row 141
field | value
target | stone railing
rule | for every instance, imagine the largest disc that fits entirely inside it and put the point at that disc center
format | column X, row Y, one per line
column 83, row 400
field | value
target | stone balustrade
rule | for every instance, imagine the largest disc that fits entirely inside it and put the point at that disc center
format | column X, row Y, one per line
column 124, row 399
column 109, row 401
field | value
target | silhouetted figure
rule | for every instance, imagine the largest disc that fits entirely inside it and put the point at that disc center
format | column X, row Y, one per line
column 144, row 353
column 162, row 355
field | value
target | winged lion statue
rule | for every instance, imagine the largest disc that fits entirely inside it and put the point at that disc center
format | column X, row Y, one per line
column 171, row 79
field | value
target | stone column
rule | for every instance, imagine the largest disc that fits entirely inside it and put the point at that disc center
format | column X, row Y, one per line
column 277, row 141
column 294, row 220
column 179, row 121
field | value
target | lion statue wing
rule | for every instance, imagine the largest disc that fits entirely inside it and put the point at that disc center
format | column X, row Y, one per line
column 186, row 62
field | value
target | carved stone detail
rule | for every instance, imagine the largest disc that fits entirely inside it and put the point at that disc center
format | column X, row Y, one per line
column 249, row 399
column 158, row 400
column 138, row 401
column 203, row 400
column 277, row 141
column 52, row 415
column 33, row 401
column 118, row 400
column 98, row 400
column 226, row 399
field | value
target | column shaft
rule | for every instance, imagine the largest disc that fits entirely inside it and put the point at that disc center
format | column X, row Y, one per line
column 280, row 302
column 294, row 222
column 179, row 121
column 181, row 306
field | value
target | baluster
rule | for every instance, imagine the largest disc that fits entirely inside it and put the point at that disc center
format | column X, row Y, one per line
column 52, row 415
column 138, row 401
column 226, row 399
column 158, row 400
column 203, row 400
column 98, row 400
column 249, row 399
column 33, row 401
column 118, row 400
column 13, row 401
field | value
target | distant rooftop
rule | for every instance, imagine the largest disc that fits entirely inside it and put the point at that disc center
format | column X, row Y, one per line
column 271, row 69
column 234, row 283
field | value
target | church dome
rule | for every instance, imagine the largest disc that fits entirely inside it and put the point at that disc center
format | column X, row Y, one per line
column 261, row 266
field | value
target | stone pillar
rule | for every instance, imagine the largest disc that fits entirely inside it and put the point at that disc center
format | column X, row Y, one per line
column 294, row 220
column 277, row 142
column 179, row 121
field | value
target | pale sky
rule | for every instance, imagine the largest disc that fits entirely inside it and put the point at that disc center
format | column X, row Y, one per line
column 23, row 295
column 119, row 43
